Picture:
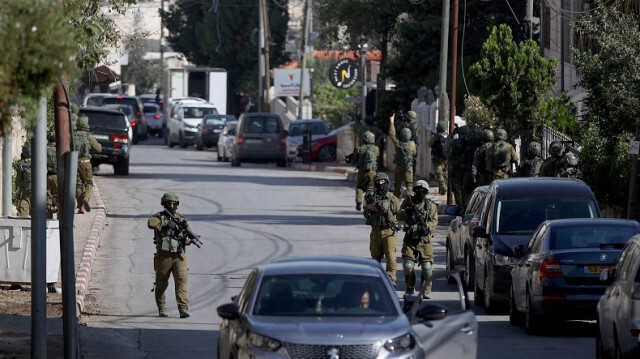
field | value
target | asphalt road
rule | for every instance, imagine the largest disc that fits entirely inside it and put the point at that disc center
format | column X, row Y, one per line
column 247, row 216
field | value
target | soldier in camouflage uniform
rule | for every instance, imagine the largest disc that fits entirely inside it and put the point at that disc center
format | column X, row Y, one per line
column 382, row 239
column 86, row 145
column 479, row 172
column 553, row 164
column 420, row 216
column 365, row 160
column 406, row 152
column 570, row 166
column 23, row 181
column 52, row 175
column 531, row 167
column 439, row 155
column 170, row 257
column 500, row 156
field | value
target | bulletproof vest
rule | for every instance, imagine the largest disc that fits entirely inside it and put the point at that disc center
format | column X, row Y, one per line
column 170, row 240
column 52, row 167
column 531, row 168
column 439, row 148
column 84, row 146
column 377, row 218
column 411, row 223
column 367, row 160
column 403, row 157
column 501, row 157
column 24, row 171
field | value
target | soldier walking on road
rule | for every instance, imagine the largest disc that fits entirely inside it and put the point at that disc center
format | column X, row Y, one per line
column 531, row 167
column 23, row 181
column 170, row 257
column 380, row 212
column 553, row 164
column 440, row 154
column 420, row 216
column 500, row 156
column 86, row 145
column 404, row 157
column 481, row 175
column 365, row 160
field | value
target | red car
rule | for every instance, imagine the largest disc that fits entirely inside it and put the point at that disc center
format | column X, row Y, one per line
column 323, row 149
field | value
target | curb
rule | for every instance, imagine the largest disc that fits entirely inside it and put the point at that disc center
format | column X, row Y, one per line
column 347, row 172
column 90, row 248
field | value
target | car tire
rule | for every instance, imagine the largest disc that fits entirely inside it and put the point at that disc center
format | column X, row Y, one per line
column 327, row 153
column 478, row 294
column 122, row 167
column 181, row 142
column 533, row 322
column 199, row 146
column 469, row 271
column 490, row 305
column 449, row 264
column 135, row 139
column 169, row 142
column 516, row 318
column 219, row 158
column 235, row 162
column 282, row 163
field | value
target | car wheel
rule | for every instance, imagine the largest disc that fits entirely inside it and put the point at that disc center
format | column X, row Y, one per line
column 199, row 146
column 515, row 317
column 449, row 264
column 478, row 294
column 282, row 162
column 181, row 142
column 121, row 168
column 469, row 270
column 219, row 158
column 234, row 161
column 168, row 139
column 490, row 305
column 533, row 322
column 327, row 153
column 135, row 139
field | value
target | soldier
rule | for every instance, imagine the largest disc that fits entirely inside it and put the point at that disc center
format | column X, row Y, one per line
column 86, row 145
column 404, row 157
column 23, row 181
column 479, row 172
column 382, row 239
column 52, row 175
column 170, row 257
column 500, row 156
column 409, row 119
column 440, row 154
column 365, row 160
column 468, row 179
column 457, row 165
column 570, row 166
column 420, row 216
column 552, row 164
column 531, row 167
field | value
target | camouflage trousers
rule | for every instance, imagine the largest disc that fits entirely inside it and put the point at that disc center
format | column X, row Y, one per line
column 364, row 184
column 420, row 251
column 24, row 204
column 84, row 185
column 440, row 166
column 383, row 242
column 403, row 175
column 167, row 263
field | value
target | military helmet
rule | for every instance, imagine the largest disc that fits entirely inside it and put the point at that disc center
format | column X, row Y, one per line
column 501, row 134
column 443, row 126
column 380, row 176
column 368, row 137
column 556, row 148
column 421, row 184
column 412, row 115
column 534, row 147
column 83, row 123
column 487, row 136
column 169, row 197
column 570, row 159
column 405, row 134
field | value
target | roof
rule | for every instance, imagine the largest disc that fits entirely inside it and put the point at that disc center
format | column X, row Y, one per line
column 523, row 187
column 322, row 264
column 581, row 222
column 100, row 109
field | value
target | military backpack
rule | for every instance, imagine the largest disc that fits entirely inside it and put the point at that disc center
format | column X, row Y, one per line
column 403, row 157
column 367, row 160
column 439, row 148
column 52, row 168
column 84, row 146
column 501, row 157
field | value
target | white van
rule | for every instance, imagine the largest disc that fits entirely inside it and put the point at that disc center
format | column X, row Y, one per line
column 184, row 116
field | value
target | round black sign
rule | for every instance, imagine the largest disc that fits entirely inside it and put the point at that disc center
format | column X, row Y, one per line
column 344, row 73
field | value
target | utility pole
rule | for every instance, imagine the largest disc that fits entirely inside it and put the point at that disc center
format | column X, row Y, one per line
column 633, row 207
column 363, row 60
column 260, row 56
column 444, row 49
column 267, row 41
column 454, row 65
column 303, row 57
column 163, row 80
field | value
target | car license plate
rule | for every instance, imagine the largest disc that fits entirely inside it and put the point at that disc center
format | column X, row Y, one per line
column 101, row 137
column 252, row 141
column 595, row 269
column 217, row 131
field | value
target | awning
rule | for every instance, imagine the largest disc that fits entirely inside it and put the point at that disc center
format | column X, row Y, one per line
column 104, row 75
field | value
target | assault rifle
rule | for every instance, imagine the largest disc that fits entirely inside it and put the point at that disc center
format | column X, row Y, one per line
column 183, row 226
column 348, row 158
column 423, row 230
column 383, row 212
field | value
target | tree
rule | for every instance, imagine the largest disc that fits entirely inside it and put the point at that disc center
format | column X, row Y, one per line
column 513, row 79
column 219, row 37
column 146, row 75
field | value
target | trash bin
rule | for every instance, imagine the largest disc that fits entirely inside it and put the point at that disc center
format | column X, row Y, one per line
column 15, row 250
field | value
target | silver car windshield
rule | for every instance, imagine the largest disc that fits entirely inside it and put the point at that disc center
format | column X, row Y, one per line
column 323, row 295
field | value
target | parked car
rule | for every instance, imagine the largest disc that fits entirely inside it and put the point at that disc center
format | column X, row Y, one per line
column 260, row 137
column 512, row 211
column 339, row 307
column 128, row 111
column 316, row 127
column 618, row 310
column 185, row 115
column 557, row 274
column 460, row 241
column 112, row 130
column 154, row 118
column 209, row 130
column 227, row 137
column 152, row 98
column 94, row 99
column 138, row 122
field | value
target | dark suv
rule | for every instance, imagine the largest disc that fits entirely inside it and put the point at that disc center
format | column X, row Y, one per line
column 111, row 129
column 138, row 122
column 512, row 211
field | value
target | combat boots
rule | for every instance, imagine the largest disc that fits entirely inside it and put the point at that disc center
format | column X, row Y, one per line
column 162, row 313
column 184, row 313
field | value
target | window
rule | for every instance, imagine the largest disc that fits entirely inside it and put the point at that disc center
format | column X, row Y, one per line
column 199, row 112
column 245, row 293
column 591, row 237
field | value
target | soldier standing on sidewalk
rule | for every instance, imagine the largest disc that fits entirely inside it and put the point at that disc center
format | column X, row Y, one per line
column 86, row 144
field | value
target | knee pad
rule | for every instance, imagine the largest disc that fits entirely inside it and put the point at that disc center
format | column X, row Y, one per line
column 407, row 265
column 427, row 272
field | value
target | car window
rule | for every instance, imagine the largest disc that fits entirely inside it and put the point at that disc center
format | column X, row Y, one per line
column 323, row 295
column 591, row 237
column 473, row 201
column 266, row 125
column 295, row 130
column 535, row 244
column 99, row 120
column 523, row 215
column 198, row 112
column 151, row 108
column 247, row 290
column 119, row 100
column 215, row 122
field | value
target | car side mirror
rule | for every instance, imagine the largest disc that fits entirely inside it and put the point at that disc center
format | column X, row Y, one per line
column 228, row 311
column 452, row 210
column 518, row 250
column 432, row 311
column 480, row 232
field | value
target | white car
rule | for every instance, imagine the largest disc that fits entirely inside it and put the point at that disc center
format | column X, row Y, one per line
column 184, row 116
column 619, row 307
column 225, row 142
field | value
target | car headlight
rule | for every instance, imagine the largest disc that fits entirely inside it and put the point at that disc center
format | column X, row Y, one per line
column 260, row 342
column 188, row 126
column 400, row 344
column 500, row 260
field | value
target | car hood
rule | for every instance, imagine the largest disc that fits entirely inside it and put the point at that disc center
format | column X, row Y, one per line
column 331, row 330
column 503, row 243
